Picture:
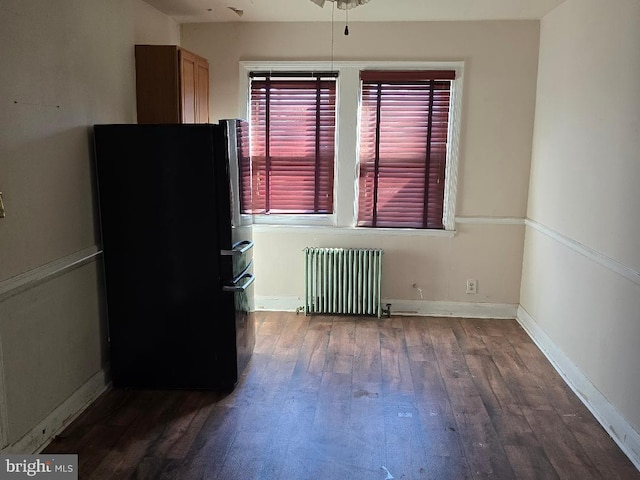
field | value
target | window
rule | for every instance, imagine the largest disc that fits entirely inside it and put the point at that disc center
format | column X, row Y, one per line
column 362, row 161
column 403, row 148
column 293, row 122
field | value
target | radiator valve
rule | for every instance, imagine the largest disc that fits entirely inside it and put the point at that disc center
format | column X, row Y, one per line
column 387, row 311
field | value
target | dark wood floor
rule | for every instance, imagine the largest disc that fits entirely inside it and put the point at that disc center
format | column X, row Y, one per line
column 358, row 398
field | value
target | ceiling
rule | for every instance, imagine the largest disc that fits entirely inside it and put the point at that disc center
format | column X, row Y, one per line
column 195, row 11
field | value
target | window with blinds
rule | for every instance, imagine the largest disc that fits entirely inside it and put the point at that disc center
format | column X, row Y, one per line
column 403, row 148
column 293, row 123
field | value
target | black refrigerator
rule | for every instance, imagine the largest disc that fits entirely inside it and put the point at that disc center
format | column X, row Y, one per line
column 177, row 262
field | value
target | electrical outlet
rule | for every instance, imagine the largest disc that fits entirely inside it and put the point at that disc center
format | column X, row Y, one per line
column 472, row 286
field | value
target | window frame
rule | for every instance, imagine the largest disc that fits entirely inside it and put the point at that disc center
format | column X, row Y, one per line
column 348, row 102
column 395, row 197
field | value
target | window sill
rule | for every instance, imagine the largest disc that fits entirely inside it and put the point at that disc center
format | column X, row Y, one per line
column 293, row 220
column 333, row 230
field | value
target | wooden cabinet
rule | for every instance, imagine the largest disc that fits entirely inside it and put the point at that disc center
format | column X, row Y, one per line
column 172, row 85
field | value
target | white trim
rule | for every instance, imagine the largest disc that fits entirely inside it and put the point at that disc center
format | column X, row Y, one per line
column 490, row 220
column 273, row 303
column 607, row 262
column 293, row 220
column 418, row 232
column 420, row 308
column 284, row 65
column 32, row 278
column 453, row 153
column 434, row 308
column 40, row 435
column 3, row 403
column 622, row 432
column 360, row 231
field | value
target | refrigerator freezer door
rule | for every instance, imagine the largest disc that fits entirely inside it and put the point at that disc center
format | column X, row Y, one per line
column 236, row 249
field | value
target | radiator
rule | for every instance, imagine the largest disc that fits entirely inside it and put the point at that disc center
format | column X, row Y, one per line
column 343, row 281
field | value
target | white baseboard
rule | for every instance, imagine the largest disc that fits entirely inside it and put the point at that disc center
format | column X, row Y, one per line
column 40, row 435
column 622, row 432
column 278, row 304
column 428, row 308
column 407, row 307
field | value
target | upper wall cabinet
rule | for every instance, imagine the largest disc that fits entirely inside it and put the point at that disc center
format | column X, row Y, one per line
column 172, row 85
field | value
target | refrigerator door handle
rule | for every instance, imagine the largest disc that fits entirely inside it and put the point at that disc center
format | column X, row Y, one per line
column 236, row 286
column 238, row 248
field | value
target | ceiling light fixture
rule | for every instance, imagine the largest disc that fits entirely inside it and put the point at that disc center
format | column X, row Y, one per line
column 342, row 4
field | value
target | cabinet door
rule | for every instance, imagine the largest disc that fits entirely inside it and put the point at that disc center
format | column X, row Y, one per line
column 157, row 84
column 188, row 87
column 202, row 91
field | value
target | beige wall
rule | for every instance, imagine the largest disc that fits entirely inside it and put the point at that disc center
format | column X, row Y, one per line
column 153, row 27
column 581, row 280
column 57, row 79
column 66, row 65
column 497, row 121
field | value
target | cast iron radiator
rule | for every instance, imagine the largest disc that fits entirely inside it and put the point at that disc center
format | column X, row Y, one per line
column 342, row 281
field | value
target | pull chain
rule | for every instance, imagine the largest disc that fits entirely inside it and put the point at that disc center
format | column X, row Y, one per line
column 346, row 26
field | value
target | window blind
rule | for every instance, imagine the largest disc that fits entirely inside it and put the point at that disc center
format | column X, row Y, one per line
column 244, row 167
column 292, row 146
column 403, row 148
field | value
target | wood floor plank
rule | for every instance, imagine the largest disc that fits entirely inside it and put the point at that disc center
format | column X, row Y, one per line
column 512, row 427
column 448, row 352
column 563, row 450
column 560, row 396
column 341, row 348
column 291, row 337
column 211, row 446
column 366, row 441
column 468, row 333
column 140, row 435
column 396, row 371
column 178, row 437
column 406, row 455
column 367, row 362
column 358, row 398
column 530, row 463
column 514, row 371
column 290, row 427
column 482, row 446
column 312, row 357
column 599, row 447
column 493, row 390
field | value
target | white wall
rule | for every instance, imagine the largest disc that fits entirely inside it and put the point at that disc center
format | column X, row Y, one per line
column 581, row 282
column 497, row 121
column 66, row 65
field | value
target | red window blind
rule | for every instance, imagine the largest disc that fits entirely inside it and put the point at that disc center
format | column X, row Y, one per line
column 292, row 145
column 403, row 148
column 244, row 167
